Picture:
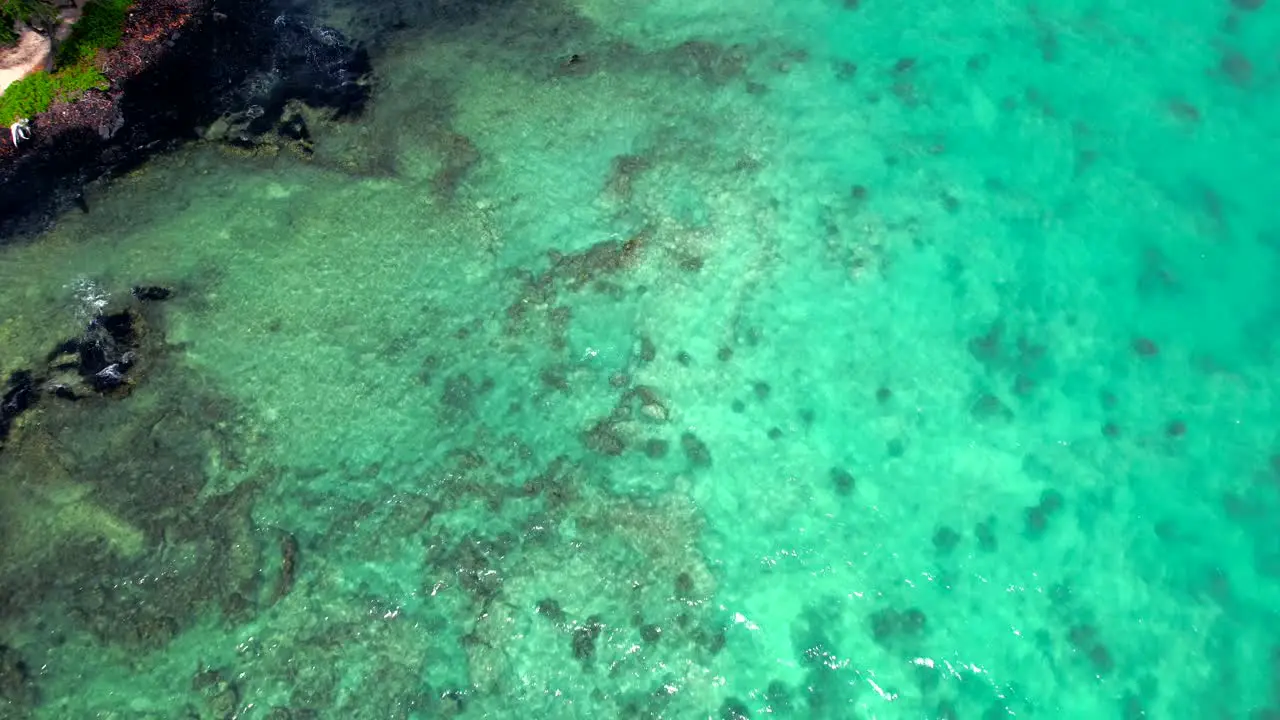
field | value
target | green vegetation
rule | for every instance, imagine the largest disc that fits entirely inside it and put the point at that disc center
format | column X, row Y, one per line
column 77, row 78
column 26, row 97
column 37, row 91
column 99, row 26
column 39, row 14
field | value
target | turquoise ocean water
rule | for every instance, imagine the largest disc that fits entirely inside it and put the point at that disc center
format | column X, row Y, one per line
column 683, row 359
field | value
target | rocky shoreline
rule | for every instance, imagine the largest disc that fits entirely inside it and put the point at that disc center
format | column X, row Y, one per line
column 183, row 65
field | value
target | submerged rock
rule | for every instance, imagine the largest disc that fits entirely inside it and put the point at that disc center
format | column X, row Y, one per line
column 654, row 411
column 17, row 686
column 20, row 395
column 584, row 638
column 151, row 293
column 604, row 438
column 695, row 450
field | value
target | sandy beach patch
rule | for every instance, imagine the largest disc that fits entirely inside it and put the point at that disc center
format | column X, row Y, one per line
column 33, row 52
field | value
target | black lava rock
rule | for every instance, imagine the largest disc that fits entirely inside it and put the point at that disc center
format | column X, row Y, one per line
column 247, row 65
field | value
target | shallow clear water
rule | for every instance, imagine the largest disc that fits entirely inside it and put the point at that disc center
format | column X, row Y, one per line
column 808, row 359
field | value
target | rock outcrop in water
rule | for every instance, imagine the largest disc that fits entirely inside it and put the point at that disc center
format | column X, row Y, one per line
column 185, row 66
column 120, row 466
column 102, row 360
